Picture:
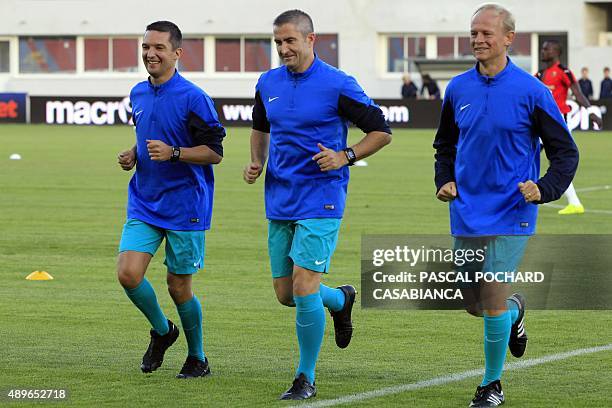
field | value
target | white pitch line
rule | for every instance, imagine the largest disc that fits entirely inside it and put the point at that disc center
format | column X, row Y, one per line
column 594, row 188
column 397, row 389
column 586, row 210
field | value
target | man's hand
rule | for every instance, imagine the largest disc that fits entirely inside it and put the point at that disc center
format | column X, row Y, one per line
column 530, row 191
column 596, row 120
column 329, row 159
column 127, row 159
column 251, row 172
column 158, row 150
column 447, row 192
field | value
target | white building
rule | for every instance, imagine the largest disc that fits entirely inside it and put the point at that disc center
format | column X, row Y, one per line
column 91, row 47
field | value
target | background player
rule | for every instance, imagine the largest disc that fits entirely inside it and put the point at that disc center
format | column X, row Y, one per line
column 559, row 79
column 170, row 196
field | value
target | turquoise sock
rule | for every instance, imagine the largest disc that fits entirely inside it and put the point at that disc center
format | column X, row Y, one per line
column 496, row 336
column 143, row 296
column 191, row 319
column 310, row 327
column 333, row 299
column 513, row 308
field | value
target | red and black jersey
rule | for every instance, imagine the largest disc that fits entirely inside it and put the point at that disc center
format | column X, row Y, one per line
column 558, row 79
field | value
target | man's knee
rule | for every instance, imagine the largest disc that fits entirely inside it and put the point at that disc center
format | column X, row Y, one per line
column 284, row 291
column 474, row 310
column 285, row 300
column 305, row 282
column 131, row 268
column 128, row 278
column 129, row 275
column 471, row 301
column 300, row 288
column 179, row 287
column 175, row 292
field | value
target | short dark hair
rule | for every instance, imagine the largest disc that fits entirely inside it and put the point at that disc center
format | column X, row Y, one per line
column 556, row 44
column 300, row 19
column 176, row 38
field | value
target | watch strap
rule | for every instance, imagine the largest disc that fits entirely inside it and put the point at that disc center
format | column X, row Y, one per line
column 176, row 154
column 350, row 156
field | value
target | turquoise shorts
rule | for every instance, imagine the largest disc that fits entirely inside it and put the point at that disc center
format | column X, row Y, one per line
column 502, row 253
column 309, row 244
column 184, row 249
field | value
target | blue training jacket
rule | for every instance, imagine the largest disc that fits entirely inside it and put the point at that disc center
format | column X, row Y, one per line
column 488, row 142
column 300, row 110
column 173, row 195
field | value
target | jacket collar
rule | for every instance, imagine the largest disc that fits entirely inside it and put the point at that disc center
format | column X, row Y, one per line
column 500, row 75
column 303, row 75
column 166, row 85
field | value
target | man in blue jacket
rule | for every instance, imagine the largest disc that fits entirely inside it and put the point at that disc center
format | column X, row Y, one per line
column 488, row 166
column 170, row 196
column 300, row 124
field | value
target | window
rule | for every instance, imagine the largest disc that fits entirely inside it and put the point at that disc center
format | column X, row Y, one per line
column 446, row 47
column 520, row 51
column 96, row 54
column 401, row 50
column 125, row 54
column 458, row 47
column 396, row 57
column 193, row 55
column 242, row 54
column 4, row 56
column 47, row 55
column 257, row 54
column 521, row 44
column 111, row 54
column 465, row 48
column 404, row 50
column 416, row 46
column 326, row 47
column 227, row 55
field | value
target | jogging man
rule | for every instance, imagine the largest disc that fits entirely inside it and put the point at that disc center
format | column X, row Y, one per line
column 300, row 125
column 487, row 166
column 170, row 196
column 559, row 79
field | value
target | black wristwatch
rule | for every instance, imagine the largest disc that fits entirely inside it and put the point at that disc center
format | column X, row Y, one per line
column 176, row 154
column 350, row 156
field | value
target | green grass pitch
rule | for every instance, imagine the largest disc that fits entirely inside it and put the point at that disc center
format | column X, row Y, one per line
column 62, row 207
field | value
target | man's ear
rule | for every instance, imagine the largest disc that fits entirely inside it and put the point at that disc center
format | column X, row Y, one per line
column 509, row 38
column 178, row 52
column 311, row 38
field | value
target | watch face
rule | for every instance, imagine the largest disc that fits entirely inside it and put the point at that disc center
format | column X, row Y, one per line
column 350, row 154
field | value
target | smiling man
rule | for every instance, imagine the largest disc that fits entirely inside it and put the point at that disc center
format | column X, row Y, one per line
column 488, row 167
column 170, row 196
column 300, row 126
